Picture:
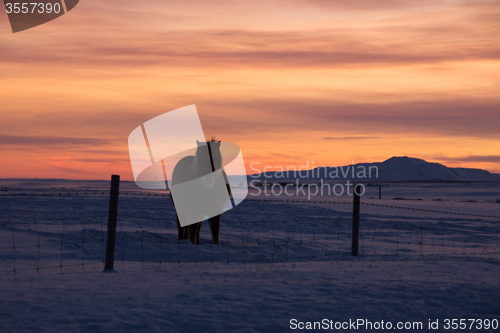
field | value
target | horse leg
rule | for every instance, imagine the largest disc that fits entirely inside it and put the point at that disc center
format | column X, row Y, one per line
column 182, row 232
column 194, row 233
column 198, row 231
column 214, row 224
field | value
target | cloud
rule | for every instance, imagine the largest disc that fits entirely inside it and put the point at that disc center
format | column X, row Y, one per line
column 261, row 49
column 181, row 35
column 50, row 141
column 101, row 160
column 471, row 158
column 348, row 137
column 461, row 118
column 72, row 171
column 370, row 5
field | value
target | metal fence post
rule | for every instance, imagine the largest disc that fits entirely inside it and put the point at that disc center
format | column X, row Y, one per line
column 112, row 218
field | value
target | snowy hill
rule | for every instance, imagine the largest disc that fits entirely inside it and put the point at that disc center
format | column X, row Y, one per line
column 394, row 169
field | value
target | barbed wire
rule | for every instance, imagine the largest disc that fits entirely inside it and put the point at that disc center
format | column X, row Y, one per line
column 82, row 238
column 243, row 242
column 373, row 204
column 53, row 243
column 247, row 199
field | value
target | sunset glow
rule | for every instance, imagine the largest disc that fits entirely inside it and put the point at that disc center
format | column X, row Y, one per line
column 334, row 82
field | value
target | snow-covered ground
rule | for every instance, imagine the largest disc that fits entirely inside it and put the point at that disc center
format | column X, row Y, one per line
column 278, row 260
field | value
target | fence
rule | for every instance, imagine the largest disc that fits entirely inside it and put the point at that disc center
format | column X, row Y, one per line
column 74, row 242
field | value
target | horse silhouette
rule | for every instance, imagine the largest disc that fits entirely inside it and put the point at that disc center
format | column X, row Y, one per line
column 198, row 166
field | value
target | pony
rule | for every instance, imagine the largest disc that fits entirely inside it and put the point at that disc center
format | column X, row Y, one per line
column 191, row 167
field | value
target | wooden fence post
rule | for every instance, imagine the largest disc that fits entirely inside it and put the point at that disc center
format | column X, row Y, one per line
column 355, row 220
column 112, row 218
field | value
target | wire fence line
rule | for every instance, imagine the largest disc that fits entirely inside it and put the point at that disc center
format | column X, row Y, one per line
column 144, row 194
column 76, row 241
column 41, row 243
column 65, row 243
column 377, row 205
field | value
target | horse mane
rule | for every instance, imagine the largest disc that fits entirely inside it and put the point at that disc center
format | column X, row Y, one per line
column 217, row 157
column 212, row 139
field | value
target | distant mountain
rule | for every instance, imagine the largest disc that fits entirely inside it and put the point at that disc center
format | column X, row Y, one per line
column 394, row 169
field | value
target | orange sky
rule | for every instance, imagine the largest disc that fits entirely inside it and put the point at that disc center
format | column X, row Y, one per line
column 328, row 81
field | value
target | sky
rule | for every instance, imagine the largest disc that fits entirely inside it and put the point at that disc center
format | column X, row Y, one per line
column 331, row 82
